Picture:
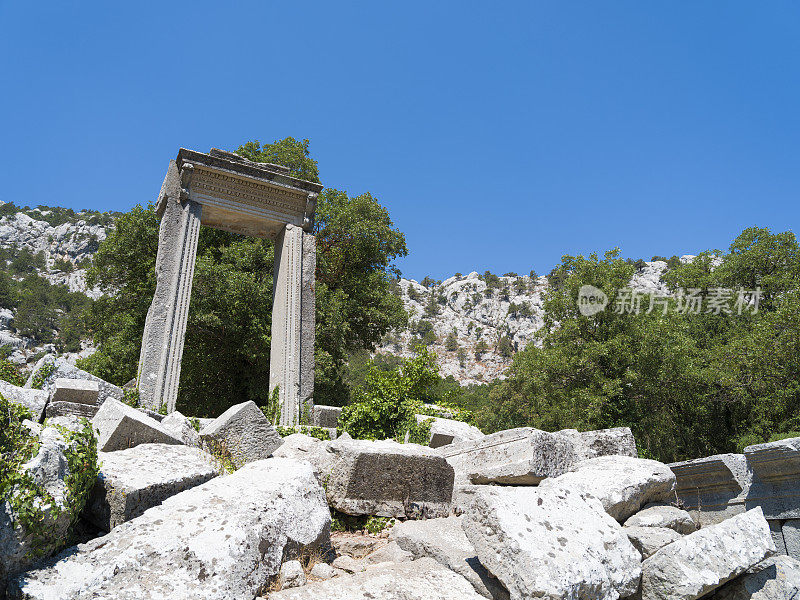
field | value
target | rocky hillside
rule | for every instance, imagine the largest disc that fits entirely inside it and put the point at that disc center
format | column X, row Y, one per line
column 474, row 323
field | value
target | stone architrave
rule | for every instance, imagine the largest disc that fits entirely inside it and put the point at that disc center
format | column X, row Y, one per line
column 222, row 190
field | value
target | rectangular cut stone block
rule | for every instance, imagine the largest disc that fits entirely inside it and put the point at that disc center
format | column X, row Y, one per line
column 525, row 456
column 791, row 537
column 293, row 322
column 700, row 562
column 133, row 480
column 120, row 426
column 59, row 368
column 776, row 529
column 70, row 409
column 34, row 400
column 712, row 489
column 242, row 432
column 776, row 478
column 80, row 391
column 221, row 540
column 326, row 416
column 388, row 479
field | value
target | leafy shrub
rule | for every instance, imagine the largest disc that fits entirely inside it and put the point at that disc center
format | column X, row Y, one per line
column 386, row 405
column 11, row 373
column 42, row 374
column 316, row 432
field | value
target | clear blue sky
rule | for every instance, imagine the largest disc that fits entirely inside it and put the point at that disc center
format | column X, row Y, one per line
column 499, row 135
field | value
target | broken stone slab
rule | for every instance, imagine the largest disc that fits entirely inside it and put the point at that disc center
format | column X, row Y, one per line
column 700, row 562
column 776, row 478
column 304, row 447
column 423, row 579
column 449, row 431
column 551, row 543
column 323, row 570
column 34, row 400
column 120, row 426
column 220, row 540
column 180, row 427
column 133, row 480
column 648, row 540
column 712, row 488
column 70, row 409
column 790, row 531
column 622, row 484
column 326, row 416
column 387, row 479
column 526, row 456
column 79, row 391
column 444, row 541
column 663, row 515
column 243, row 433
column 355, row 545
column 348, row 564
column 776, row 578
column 776, row 529
column 61, row 369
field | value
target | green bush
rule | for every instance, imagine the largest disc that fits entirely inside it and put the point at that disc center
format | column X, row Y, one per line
column 386, row 404
column 316, row 432
column 11, row 373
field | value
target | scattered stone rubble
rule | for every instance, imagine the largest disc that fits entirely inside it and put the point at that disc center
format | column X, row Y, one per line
column 516, row 514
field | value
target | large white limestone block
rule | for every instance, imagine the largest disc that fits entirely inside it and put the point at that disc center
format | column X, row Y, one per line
column 120, row 426
column 551, row 543
column 776, row 578
column 243, row 432
column 663, row 515
column 622, row 484
column 133, row 480
column 700, row 562
column 221, row 540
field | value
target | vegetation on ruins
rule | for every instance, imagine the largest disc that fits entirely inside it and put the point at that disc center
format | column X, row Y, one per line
column 226, row 357
column 687, row 384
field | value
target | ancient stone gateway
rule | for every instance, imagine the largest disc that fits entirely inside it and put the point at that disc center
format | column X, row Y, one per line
column 222, row 190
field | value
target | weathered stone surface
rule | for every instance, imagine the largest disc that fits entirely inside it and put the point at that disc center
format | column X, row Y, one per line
column 551, row 543
column 388, row 479
column 133, row 480
column 448, row 431
column 391, row 552
column 444, row 541
column 322, row 570
column 48, row 468
column 326, row 416
column 526, row 456
column 777, row 578
column 712, row 488
column 621, row 483
column 355, row 545
column 648, row 540
column 34, row 400
column 179, row 426
column 220, row 540
column 776, row 478
column 120, row 426
column 70, row 409
column 244, row 432
column 423, row 579
column 63, row 370
column 292, row 574
column 700, row 562
column 663, row 515
column 348, row 564
column 776, row 529
column 791, row 537
column 304, row 447
column 81, row 391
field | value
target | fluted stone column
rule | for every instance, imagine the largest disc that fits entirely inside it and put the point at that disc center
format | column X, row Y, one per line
column 291, row 365
column 165, row 327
